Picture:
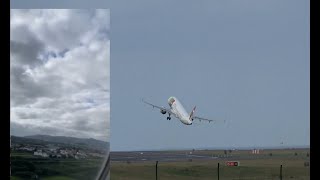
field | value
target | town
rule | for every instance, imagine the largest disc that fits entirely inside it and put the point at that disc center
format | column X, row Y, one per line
column 53, row 151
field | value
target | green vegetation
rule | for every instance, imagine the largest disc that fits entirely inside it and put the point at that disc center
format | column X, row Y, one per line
column 252, row 166
column 58, row 178
column 27, row 166
column 15, row 178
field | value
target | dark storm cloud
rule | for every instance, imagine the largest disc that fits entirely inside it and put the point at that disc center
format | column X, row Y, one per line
column 26, row 52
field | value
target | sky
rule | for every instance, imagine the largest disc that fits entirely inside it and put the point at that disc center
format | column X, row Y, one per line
column 60, row 72
column 244, row 61
column 58, row 4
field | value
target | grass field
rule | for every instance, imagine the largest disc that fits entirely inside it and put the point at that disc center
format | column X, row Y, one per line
column 259, row 166
column 25, row 166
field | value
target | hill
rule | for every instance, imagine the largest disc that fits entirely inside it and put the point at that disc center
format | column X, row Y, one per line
column 89, row 143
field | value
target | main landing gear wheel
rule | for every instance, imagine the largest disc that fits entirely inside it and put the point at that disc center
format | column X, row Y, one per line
column 168, row 118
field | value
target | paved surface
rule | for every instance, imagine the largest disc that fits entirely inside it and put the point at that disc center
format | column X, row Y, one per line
column 139, row 156
column 156, row 156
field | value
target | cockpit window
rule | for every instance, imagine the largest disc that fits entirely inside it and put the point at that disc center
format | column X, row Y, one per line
column 171, row 100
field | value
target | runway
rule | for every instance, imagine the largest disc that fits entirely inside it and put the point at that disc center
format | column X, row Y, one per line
column 134, row 156
column 175, row 156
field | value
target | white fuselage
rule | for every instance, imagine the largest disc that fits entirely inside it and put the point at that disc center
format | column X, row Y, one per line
column 179, row 111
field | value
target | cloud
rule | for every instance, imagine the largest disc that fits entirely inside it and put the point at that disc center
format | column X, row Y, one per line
column 60, row 72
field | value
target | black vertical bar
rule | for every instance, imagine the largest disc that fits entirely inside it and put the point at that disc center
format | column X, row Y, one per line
column 157, row 170
column 281, row 172
column 105, row 171
column 218, row 171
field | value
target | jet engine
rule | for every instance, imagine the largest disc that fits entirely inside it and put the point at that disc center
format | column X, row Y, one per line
column 163, row 111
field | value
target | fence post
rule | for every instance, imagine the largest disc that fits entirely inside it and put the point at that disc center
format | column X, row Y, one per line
column 218, row 171
column 157, row 170
column 281, row 172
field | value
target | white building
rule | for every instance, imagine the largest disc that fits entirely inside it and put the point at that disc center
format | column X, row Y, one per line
column 40, row 153
column 255, row 151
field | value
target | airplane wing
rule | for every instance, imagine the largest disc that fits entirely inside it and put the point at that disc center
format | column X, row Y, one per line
column 161, row 108
column 204, row 119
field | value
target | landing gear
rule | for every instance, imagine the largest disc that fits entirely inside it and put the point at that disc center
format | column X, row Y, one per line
column 169, row 118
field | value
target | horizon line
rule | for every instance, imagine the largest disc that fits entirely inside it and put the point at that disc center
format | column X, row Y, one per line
column 220, row 148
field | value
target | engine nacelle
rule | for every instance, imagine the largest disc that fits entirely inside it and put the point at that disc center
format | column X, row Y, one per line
column 163, row 111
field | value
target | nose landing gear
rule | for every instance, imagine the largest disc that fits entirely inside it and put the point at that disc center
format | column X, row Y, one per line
column 169, row 118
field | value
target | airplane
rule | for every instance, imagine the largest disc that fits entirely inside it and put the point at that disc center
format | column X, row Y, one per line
column 178, row 111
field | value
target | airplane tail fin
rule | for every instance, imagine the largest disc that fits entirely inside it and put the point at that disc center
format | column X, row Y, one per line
column 191, row 114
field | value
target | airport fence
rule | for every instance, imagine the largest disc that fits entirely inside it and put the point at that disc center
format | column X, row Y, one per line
column 203, row 170
column 238, row 172
column 272, row 165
